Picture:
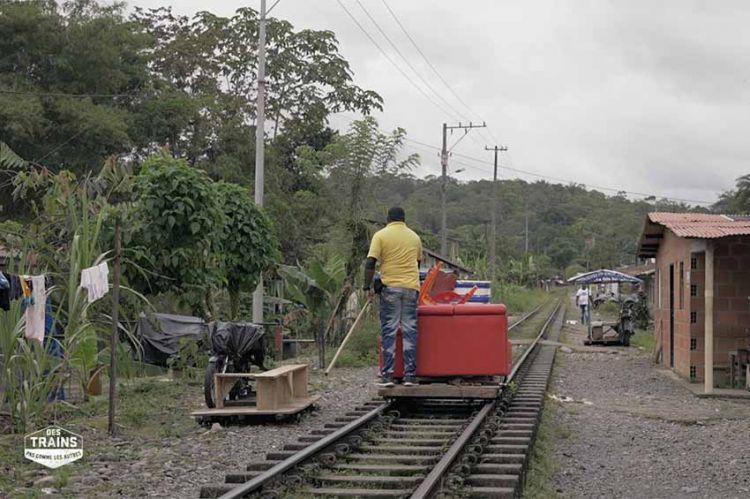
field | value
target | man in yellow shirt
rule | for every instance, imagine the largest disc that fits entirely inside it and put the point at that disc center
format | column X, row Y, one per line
column 398, row 250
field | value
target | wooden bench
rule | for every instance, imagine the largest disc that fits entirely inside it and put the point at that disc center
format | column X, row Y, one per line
column 279, row 390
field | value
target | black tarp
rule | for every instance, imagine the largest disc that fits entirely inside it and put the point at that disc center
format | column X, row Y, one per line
column 234, row 338
column 160, row 334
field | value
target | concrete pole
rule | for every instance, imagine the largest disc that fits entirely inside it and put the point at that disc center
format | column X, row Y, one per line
column 708, row 294
column 443, row 187
column 493, row 234
column 260, row 144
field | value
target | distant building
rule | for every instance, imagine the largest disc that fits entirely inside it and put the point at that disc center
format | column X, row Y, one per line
column 701, row 292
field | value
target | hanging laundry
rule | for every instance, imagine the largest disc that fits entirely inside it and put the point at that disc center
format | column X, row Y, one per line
column 4, row 291
column 27, row 289
column 14, row 291
column 96, row 281
column 35, row 307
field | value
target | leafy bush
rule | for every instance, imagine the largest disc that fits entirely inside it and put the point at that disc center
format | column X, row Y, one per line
column 248, row 246
column 176, row 216
column 362, row 349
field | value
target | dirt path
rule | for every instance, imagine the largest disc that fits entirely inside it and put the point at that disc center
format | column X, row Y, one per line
column 630, row 431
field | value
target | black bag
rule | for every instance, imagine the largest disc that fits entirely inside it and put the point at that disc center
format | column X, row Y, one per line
column 236, row 339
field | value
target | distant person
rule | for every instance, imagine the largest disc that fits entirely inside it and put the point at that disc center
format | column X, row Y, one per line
column 398, row 251
column 582, row 300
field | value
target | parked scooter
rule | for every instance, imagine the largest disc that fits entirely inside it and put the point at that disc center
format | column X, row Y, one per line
column 236, row 346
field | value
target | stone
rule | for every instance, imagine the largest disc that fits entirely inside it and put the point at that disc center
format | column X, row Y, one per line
column 566, row 349
column 216, row 427
column 45, row 480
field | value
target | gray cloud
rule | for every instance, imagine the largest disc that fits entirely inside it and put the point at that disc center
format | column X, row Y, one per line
column 637, row 95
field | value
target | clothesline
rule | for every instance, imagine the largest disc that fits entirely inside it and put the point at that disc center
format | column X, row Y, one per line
column 32, row 291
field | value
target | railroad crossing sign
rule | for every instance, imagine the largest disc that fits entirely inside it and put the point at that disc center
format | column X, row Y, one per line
column 53, row 447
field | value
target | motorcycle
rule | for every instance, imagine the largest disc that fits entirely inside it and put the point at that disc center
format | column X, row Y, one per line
column 236, row 347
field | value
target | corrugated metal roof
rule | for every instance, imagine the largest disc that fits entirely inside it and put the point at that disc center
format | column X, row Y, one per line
column 702, row 225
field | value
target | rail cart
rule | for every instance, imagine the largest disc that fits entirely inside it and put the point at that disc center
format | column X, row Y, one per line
column 463, row 351
column 233, row 391
column 609, row 332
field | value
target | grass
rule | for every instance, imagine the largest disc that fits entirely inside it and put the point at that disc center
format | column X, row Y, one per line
column 362, row 348
column 539, row 478
column 643, row 339
column 148, row 410
column 517, row 299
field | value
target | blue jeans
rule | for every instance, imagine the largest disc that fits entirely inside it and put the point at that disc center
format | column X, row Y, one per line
column 584, row 314
column 398, row 307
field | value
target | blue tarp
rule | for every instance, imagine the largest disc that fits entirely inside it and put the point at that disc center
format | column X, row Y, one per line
column 603, row 276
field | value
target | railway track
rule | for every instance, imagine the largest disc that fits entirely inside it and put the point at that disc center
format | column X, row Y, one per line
column 419, row 449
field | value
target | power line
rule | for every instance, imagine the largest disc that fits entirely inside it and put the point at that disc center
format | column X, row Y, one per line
column 388, row 58
column 432, row 66
column 60, row 94
column 408, row 63
column 556, row 179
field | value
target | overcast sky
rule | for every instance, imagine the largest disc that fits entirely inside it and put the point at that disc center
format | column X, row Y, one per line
column 644, row 96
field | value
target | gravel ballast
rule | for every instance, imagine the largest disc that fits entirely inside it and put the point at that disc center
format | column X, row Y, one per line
column 179, row 465
column 628, row 430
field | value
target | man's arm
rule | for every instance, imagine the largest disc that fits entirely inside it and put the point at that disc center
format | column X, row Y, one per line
column 369, row 272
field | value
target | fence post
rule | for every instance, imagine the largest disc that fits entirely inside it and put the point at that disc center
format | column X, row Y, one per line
column 115, row 324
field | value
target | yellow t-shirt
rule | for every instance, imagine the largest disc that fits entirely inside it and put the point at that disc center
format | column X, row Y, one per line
column 398, row 249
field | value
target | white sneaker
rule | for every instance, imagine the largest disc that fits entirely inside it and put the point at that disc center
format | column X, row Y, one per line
column 385, row 382
column 409, row 381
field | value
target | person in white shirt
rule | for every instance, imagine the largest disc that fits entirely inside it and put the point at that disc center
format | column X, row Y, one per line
column 582, row 300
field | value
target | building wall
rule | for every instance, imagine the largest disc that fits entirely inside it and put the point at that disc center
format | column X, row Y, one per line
column 677, row 252
column 731, row 301
column 731, row 297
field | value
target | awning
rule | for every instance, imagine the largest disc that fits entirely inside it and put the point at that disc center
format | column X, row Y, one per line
column 603, row 276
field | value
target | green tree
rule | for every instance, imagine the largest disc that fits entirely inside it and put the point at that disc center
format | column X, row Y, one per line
column 247, row 244
column 68, row 75
column 176, row 216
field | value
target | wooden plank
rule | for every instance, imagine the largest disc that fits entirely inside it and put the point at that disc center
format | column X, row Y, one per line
column 299, row 383
column 293, row 408
column 280, row 371
column 442, row 390
column 237, row 375
column 267, row 395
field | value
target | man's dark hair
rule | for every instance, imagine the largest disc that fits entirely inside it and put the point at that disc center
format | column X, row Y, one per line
column 396, row 214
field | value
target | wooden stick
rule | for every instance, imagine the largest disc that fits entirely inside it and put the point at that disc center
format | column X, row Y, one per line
column 351, row 330
column 114, row 336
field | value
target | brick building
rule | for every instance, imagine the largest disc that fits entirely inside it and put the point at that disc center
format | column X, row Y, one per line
column 701, row 299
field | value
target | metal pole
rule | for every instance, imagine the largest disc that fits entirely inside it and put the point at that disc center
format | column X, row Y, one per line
column 259, row 144
column 443, row 187
column 115, row 318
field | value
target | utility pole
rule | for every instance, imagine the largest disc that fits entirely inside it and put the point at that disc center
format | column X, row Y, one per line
column 260, row 121
column 526, row 233
column 443, row 189
column 493, row 229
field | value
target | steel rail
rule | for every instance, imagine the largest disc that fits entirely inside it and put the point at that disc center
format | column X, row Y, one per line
column 525, row 317
column 432, row 481
column 308, row 452
column 534, row 343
